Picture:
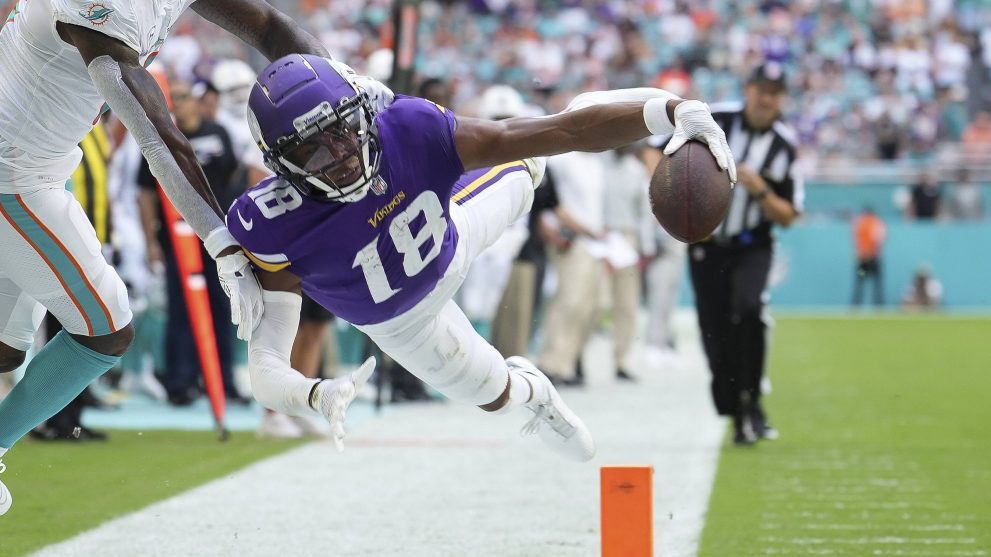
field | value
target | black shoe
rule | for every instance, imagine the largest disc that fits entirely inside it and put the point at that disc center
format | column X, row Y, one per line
column 621, row 375
column 576, row 381
column 78, row 433
column 743, row 430
column 86, row 434
column 238, row 398
column 410, row 395
column 183, row 398
column 762, row 427
column 87, row 398
column 43, row 433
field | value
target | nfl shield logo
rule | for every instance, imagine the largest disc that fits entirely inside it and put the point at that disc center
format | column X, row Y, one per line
column 378, row 186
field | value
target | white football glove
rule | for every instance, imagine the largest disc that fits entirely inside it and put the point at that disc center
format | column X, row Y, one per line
column 238, row 281
column 379, row 95
column 692, row 120
column 333, row 396
column 244, row 291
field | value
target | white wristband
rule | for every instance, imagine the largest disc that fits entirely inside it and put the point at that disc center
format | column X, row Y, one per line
column 217, row 240
column 655, row 115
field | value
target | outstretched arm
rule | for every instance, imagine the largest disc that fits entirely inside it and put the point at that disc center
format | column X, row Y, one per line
column 483, row 143
column 260, row 25
column 593, row 122
column 274, row 383
column 136, row 98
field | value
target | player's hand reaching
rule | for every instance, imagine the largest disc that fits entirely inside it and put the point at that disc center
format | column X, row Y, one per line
column 333, row 396
column 238, row 280
column 241, row 286
column 692, row 120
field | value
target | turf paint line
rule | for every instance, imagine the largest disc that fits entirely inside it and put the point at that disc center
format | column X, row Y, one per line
column 443, row 479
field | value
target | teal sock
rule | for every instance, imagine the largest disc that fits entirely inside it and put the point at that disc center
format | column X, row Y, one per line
column 56, row 375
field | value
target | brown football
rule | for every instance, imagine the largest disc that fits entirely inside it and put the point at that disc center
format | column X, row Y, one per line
column 689, row 193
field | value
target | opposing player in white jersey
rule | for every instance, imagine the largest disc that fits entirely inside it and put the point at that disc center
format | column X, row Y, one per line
column 63, row 62
column 378, row 209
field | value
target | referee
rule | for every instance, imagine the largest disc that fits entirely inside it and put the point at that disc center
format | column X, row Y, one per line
column 729, row 269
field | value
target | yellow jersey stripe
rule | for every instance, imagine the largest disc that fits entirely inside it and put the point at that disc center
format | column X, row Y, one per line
column 478, row 182
column 270, row 267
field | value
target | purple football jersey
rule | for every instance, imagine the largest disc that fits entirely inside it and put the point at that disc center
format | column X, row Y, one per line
column 370, row 260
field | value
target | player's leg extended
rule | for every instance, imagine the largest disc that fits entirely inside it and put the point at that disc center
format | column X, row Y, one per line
column 52, row 255
column 443, row 350
column 626, row 290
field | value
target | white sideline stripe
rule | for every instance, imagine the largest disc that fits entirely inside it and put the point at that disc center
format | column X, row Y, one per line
column 444, row 479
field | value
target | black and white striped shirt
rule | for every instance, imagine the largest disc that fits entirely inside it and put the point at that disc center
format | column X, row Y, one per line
column 773, row 153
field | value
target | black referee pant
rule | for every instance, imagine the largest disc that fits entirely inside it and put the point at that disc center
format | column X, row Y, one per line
column 729, row 283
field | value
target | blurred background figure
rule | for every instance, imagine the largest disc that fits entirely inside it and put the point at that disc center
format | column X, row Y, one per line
column 926, row 199
column 486, row 279
column 976, row 138
column 664, row 259
column 581, row 181
column 216, row 155
column 924, row 292
column 515, row 321
column 966, row 202
column 869, row 234
column 143, row 364
column 438, row 91
column 232, row 80
column 730, row 269
column 626, row 212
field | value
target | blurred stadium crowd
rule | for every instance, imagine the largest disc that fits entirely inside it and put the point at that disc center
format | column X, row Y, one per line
column 870, row 82
column 870, row 79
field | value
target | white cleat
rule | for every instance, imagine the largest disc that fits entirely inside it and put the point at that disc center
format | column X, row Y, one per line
column 559, row 428
column 311, row 426
column 5, row 499
column 278, row 426
column 143, row 382
column 333, row 396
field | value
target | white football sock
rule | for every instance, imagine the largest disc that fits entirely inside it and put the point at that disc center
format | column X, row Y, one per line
column 521, row 390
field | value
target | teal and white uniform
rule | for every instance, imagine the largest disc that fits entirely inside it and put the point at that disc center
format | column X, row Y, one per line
column 47, row 105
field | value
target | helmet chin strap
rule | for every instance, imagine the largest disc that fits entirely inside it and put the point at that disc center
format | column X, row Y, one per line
column 333, row 193
column 354, row 196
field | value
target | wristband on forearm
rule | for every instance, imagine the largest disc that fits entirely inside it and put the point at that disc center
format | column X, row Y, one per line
column 655, row 115
column 218, row 240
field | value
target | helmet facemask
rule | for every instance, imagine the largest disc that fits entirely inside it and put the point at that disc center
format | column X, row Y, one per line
column 334, row 154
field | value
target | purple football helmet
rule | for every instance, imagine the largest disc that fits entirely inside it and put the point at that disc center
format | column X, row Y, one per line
column 316, row 128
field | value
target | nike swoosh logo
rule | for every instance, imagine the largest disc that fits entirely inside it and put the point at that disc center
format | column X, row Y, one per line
column 247, row 224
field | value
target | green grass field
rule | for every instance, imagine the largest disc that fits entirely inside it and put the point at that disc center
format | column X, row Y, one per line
column 885, row 447
column 61, row 489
